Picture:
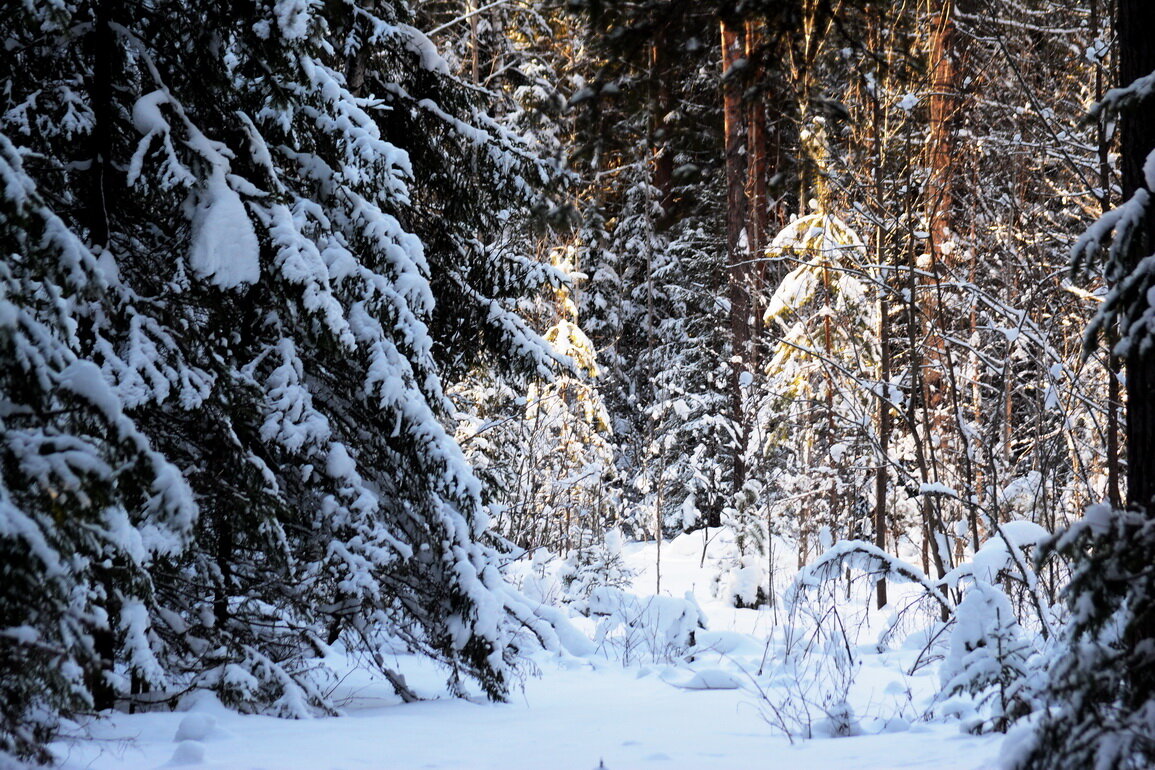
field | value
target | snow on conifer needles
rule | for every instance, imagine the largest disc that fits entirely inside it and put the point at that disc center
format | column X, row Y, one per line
column 222, row 399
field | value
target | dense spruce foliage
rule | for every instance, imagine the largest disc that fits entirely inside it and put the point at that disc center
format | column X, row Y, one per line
column 242, row 247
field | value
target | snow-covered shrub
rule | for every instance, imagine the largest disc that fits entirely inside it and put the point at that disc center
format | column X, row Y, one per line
column 560, row 579
column 743, row 580
column 644, row 629
column 594, row 566
column 805, row 694
column 991, row 669
column 743, row 570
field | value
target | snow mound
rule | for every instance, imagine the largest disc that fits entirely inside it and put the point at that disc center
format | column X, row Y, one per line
column 706, row 679
column 727, row 643
column 188, row 753
column 195, row 727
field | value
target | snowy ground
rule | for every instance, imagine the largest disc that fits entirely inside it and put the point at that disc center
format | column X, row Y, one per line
column 580, row 710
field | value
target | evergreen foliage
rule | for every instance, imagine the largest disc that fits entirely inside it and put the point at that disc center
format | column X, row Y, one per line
column 242, row 249
column 1100, row 683
column 87, row 505
column 1101, row 690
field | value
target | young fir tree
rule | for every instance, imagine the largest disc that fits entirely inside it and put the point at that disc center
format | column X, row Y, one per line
column 812, row 429
column 648, row 143
column 265, row 230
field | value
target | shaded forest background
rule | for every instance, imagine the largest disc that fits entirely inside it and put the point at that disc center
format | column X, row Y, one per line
column 823, row 262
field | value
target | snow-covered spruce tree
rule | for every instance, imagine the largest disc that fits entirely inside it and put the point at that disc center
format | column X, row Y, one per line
column 86, row 504
column 687, row 476
column 291, row 203
column 647, row 142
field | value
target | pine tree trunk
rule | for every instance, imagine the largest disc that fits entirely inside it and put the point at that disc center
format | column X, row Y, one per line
column 943, row 104
column 940, row 162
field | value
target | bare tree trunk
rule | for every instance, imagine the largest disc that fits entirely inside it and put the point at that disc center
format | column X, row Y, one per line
column 939, row 189
column 943, row 104
column 881, row 474
column 941, row 394
column 1113, row 395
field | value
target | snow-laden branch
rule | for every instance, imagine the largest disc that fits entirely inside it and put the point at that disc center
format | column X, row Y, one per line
column 868, row 558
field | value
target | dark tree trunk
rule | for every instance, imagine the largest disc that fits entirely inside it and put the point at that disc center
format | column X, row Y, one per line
column 758, row 168
column 1135, row 24
column 663, row 169
column 101, row 198
column 737, row 245
column 1113, row 363
column 96, row 216
column 884, row 427
column 882, row 473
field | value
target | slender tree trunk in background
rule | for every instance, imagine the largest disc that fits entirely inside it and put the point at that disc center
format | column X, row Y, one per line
column 881, row 474
column 940, row 159
column 103, row 176
column 943, row 105
column 661, row 177
column 737, row 245
column 757, row 181
column 804, row 50
column 1113, row 395
column 879, row 129
column 1135, row 24
column 1113, row 406
column 940, row 397
column 474, row 43
column 225, row 545
column 663, row 170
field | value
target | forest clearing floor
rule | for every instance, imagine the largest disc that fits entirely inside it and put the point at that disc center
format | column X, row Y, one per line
column 622, row 705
